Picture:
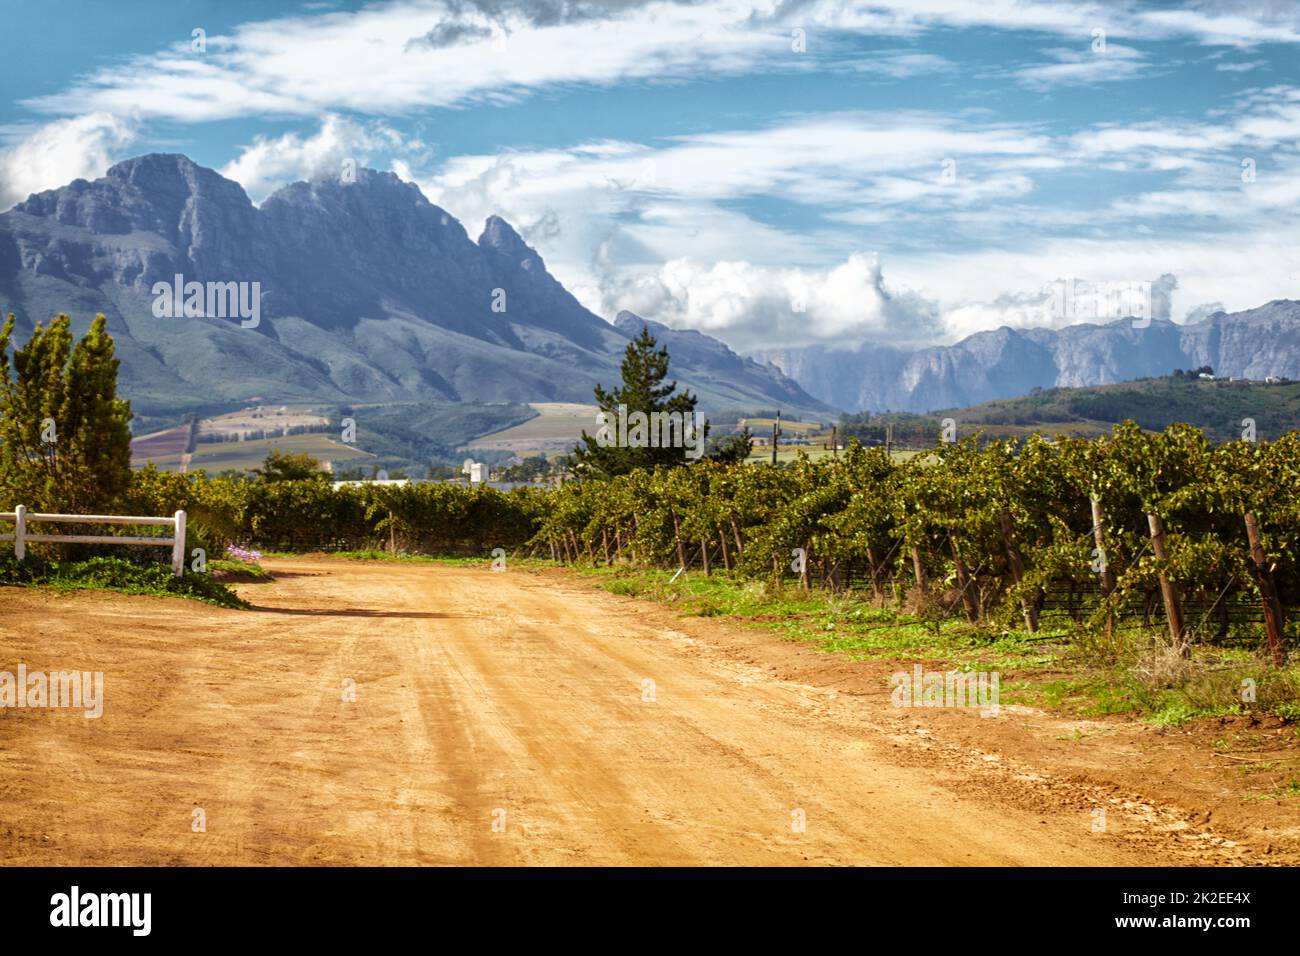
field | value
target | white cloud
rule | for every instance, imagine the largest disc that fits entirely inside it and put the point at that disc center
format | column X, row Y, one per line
column 627, row 225
column 844, row 160
column 901, row 65
column 269, row 163
column 755, row 307
column 399, row 56
column 1241, row 168
column 377, row 60
column 1253, row 25
column 1244, row 67
column 53, row 155
column 608, row 215
column 1109, row 63
column 1230, row 270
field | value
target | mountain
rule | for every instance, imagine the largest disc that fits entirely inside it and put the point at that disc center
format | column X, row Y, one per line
column 369, row 294
column 1006, row 362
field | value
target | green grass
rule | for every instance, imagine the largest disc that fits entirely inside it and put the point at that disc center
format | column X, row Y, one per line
column 1209, row 687
column 241, row 568
column 763, row 426
column 115, row 574
column 373, row 554
column 835, row 624
column 1287, row 791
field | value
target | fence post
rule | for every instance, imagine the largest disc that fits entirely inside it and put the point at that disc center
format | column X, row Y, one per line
column 922, row 591
column 968, row 599
column 1017, row 566
column 1099, row 538
column 1173, row 612
column 178, row 545
column 20, row 532
column 1267, row 591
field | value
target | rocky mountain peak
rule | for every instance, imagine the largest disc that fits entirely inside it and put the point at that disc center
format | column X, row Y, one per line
column 155, row 169
column 500, row 236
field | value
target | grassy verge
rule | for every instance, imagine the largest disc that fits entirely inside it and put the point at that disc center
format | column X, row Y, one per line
column 232, row 569
column 115, row 574
column 1044, row 669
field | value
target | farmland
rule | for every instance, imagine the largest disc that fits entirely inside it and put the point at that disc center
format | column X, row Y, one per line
column 217, row 457
column 166, row 449
column 558, row 426
column 280, row 418
column 398, row 435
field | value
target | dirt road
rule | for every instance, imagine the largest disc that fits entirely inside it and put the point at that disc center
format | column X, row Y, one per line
column 509, row 718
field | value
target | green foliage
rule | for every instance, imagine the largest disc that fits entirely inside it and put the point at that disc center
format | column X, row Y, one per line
column 644, row 371
column 65, row 444
column 533, row 467
column 234, row 568
column 995, row 531
column 114, row 574
column 956, row 514
column 731, row 449
column 283, row 466
column 1217, row 408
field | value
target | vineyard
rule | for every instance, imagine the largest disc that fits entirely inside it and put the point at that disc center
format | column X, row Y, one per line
column 1159, row 533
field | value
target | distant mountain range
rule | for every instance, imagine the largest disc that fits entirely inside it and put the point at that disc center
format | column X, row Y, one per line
column 1007, row 362
column 369, row 294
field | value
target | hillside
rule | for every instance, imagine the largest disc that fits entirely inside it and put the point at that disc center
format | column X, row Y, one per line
column 1218, row 407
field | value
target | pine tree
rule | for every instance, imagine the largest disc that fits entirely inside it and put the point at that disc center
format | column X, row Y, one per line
column 65, row 438
column 644, row 370
column 732, row 449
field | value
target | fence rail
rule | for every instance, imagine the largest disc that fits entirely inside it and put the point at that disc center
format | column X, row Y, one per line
column 20, row 517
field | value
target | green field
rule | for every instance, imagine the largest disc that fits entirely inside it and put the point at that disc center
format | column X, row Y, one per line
column 763, row 426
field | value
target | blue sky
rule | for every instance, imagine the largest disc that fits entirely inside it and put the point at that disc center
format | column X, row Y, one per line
column 773, row 173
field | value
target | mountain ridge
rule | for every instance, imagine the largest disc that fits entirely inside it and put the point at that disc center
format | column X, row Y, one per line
column 369, row 294
column 1007, row 362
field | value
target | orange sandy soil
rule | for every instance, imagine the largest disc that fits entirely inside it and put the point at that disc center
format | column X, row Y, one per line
column 504, row 719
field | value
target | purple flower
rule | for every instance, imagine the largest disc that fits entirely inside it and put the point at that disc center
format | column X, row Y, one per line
column 242, row 554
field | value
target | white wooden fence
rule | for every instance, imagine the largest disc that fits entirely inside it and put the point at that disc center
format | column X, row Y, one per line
column 20, row 517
